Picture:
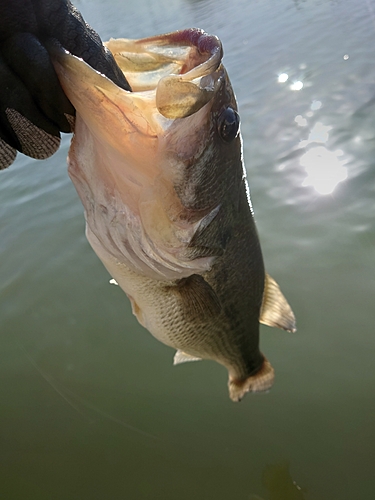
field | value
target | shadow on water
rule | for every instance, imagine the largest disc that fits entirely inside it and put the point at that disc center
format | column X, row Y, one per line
column 279, row 484
column 276, row 478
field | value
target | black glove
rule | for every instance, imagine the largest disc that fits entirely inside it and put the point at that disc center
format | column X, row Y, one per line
column 33, row 106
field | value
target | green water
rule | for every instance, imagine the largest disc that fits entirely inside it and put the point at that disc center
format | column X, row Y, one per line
column 90, row 404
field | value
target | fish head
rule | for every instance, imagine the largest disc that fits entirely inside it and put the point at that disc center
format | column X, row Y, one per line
column 152, row 165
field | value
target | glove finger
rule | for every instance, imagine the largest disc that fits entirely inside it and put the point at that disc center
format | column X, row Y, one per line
column 7, row 154
column 29, row 60
column 84, row 42
column 65, row 23
column 22, row 125
column 17, row 16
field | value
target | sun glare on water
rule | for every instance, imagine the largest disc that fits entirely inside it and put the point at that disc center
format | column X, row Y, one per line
column 324, row 168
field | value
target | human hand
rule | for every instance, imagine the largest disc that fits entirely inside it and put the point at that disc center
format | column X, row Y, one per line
column 33, row 107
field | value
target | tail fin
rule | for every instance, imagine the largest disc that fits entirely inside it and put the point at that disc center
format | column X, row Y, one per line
column 259, row 382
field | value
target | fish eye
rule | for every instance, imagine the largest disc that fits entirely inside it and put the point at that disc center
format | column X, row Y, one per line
column 229, row 124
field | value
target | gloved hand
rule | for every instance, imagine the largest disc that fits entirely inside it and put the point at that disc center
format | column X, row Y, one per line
column 33, row 106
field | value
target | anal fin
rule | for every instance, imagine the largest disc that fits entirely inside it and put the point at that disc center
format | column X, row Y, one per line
column 275, row 310
column 182, row 357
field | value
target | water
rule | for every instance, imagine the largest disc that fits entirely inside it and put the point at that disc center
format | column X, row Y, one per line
column 90, row 404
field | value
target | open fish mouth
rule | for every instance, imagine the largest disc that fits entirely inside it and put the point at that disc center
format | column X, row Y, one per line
column 172, row 76
column 180, row 68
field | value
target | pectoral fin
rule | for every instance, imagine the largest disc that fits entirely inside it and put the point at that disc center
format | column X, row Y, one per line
column 182, row 357
column 275, row 309
column 197, row 297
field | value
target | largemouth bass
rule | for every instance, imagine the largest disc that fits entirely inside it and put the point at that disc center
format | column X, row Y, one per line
column 160, row 174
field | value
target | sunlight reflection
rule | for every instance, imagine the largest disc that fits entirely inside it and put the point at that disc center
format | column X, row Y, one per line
column 319, row 133
column 324, row 168
column 283, row 78
column 296, row 85
column 315, row 105
column 301, row 121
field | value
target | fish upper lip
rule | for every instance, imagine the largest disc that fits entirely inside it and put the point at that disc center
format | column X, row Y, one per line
column 197, row 37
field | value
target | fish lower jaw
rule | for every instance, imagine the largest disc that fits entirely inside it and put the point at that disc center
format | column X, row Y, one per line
column 259, row 382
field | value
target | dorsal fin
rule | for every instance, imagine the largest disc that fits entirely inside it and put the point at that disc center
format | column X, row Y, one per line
column 275, row 310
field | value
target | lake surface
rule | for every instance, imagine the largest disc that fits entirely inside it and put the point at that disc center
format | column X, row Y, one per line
column 90, row 404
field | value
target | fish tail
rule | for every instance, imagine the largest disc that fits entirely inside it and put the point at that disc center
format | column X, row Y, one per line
column 259, row 382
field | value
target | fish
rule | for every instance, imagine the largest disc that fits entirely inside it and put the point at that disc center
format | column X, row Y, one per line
column 160, row 173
